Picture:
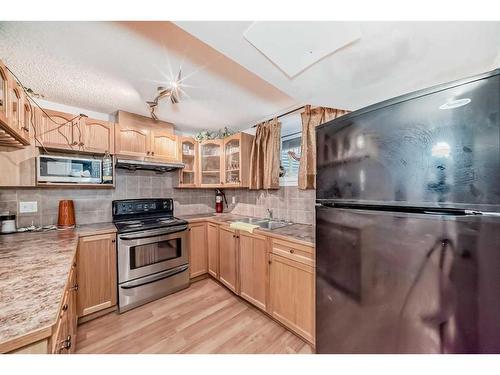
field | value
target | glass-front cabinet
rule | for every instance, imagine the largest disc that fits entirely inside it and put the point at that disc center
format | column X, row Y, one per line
column 188, row 151
column 237, row 149
column 211, row 163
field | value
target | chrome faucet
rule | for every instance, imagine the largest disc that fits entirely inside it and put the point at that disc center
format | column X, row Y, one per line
column 269, row 214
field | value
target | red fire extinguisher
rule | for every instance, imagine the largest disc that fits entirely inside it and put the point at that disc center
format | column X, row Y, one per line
column 219, row 195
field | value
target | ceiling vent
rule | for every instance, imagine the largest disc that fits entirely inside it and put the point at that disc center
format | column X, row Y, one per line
column 295, row 46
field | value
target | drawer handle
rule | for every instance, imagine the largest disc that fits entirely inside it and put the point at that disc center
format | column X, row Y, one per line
column 65, row 307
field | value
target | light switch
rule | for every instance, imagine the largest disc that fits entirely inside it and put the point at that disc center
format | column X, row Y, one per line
column 28, row 207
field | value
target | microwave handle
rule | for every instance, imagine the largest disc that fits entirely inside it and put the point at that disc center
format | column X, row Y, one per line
column 157, row 277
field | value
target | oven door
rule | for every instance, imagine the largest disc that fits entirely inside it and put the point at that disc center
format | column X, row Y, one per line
column 147, row 252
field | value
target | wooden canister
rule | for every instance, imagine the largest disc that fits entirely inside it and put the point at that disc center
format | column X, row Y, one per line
column 66, row 217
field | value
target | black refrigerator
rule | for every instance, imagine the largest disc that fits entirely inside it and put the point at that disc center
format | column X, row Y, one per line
column 408, row 223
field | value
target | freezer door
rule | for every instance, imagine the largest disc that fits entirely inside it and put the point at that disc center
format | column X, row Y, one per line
column 440, row 149
column 406, row 283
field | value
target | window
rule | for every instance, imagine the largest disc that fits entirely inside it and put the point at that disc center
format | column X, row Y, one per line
column 291, row 139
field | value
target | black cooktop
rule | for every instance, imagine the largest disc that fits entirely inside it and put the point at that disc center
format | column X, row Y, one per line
column 130, row 215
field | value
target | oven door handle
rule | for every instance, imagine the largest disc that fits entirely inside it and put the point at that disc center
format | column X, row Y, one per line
column 156, row 277
column 153, row 233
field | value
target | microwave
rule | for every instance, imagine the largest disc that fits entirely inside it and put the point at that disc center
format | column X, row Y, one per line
column 64, row 169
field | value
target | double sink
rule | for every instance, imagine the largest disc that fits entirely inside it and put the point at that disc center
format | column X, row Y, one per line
column 264, row 223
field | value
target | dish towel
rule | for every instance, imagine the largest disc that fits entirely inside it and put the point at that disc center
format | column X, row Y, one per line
column 243, row 226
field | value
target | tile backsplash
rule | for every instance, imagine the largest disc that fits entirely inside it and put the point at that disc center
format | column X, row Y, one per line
column 94, row 205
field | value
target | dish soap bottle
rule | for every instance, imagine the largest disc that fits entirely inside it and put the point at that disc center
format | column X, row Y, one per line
column 107, row 169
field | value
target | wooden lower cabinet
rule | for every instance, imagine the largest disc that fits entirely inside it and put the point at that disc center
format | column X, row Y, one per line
column 253, row 268
column 198, row 257
column 213, row 249
column 63, row 340
column 292, row 296
column 228, row 258
column 96, row 273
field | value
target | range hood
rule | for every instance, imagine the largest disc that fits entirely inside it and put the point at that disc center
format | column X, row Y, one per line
column 133, row 165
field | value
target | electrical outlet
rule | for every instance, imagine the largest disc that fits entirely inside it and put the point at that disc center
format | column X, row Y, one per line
column 233, row 200
column 28, row 207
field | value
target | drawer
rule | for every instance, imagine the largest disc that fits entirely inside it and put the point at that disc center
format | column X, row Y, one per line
column 293, row 251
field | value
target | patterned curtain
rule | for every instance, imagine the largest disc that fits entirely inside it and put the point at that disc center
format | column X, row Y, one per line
column 265, row 156
column 312, row 117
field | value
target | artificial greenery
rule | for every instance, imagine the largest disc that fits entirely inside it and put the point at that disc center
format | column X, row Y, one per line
column 205, row 135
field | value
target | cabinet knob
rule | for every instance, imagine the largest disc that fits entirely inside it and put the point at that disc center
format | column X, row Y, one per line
column 74, row 143
column 269, row 261
column 65, row 307
column 113, row 241
column 152, row 152
column 148, row 152
column 292, row 251
column 75, row 287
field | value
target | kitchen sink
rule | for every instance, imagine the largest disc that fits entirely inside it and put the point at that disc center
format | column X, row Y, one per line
column 250, row 220
column 265, row 223
column 272, row 224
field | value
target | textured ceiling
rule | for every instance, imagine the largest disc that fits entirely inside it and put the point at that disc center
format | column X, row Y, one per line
column 105, row 66
column 389, row 59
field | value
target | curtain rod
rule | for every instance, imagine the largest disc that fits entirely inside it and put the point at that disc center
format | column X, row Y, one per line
column 282, row 115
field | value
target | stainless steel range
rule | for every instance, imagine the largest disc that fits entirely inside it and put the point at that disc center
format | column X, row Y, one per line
column 152, row 251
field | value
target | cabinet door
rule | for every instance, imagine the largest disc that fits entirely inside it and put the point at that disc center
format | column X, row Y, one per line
column 3, row 94
column 99, row 136
column 232, row 161
column 213, row 249
column 61, row 339
column 132, row 141
column 16, row 110
column 198, row 257
column 58, row 130
column 292, row 295
column 253, row 268
column 188, row 151
column 96, row 273
column 227, row 258
column 210, row 163
column 164, row 145
column 72, row 309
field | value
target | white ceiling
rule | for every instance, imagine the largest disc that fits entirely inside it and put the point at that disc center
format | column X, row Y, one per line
column 389, row 59
column 105, row 66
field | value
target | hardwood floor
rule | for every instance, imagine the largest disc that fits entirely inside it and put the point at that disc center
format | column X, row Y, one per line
column 205, row 318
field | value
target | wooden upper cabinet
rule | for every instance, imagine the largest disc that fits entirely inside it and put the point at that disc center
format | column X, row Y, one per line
column 164, row 145
column 13, row 130
column 3, row 94
column 99, row 136
column 96, row 273
column 198, row 257
column 253, row 268
column 237, row 149
column 132, row 140
column 59, row 130
column 292, row 298
column 213, row 249
column 211, row 163
column 228, row 258
column 188, row 152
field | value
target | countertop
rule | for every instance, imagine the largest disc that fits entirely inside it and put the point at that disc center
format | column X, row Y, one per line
column 34, row 268
column 302, row 233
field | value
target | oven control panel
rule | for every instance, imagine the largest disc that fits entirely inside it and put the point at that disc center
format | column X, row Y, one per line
column 143, row 206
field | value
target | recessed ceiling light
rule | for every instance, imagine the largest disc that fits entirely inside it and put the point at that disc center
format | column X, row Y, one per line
column 455, row 103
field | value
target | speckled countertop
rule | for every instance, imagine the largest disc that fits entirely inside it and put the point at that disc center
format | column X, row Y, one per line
column 34, row 267
column 303, row 233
